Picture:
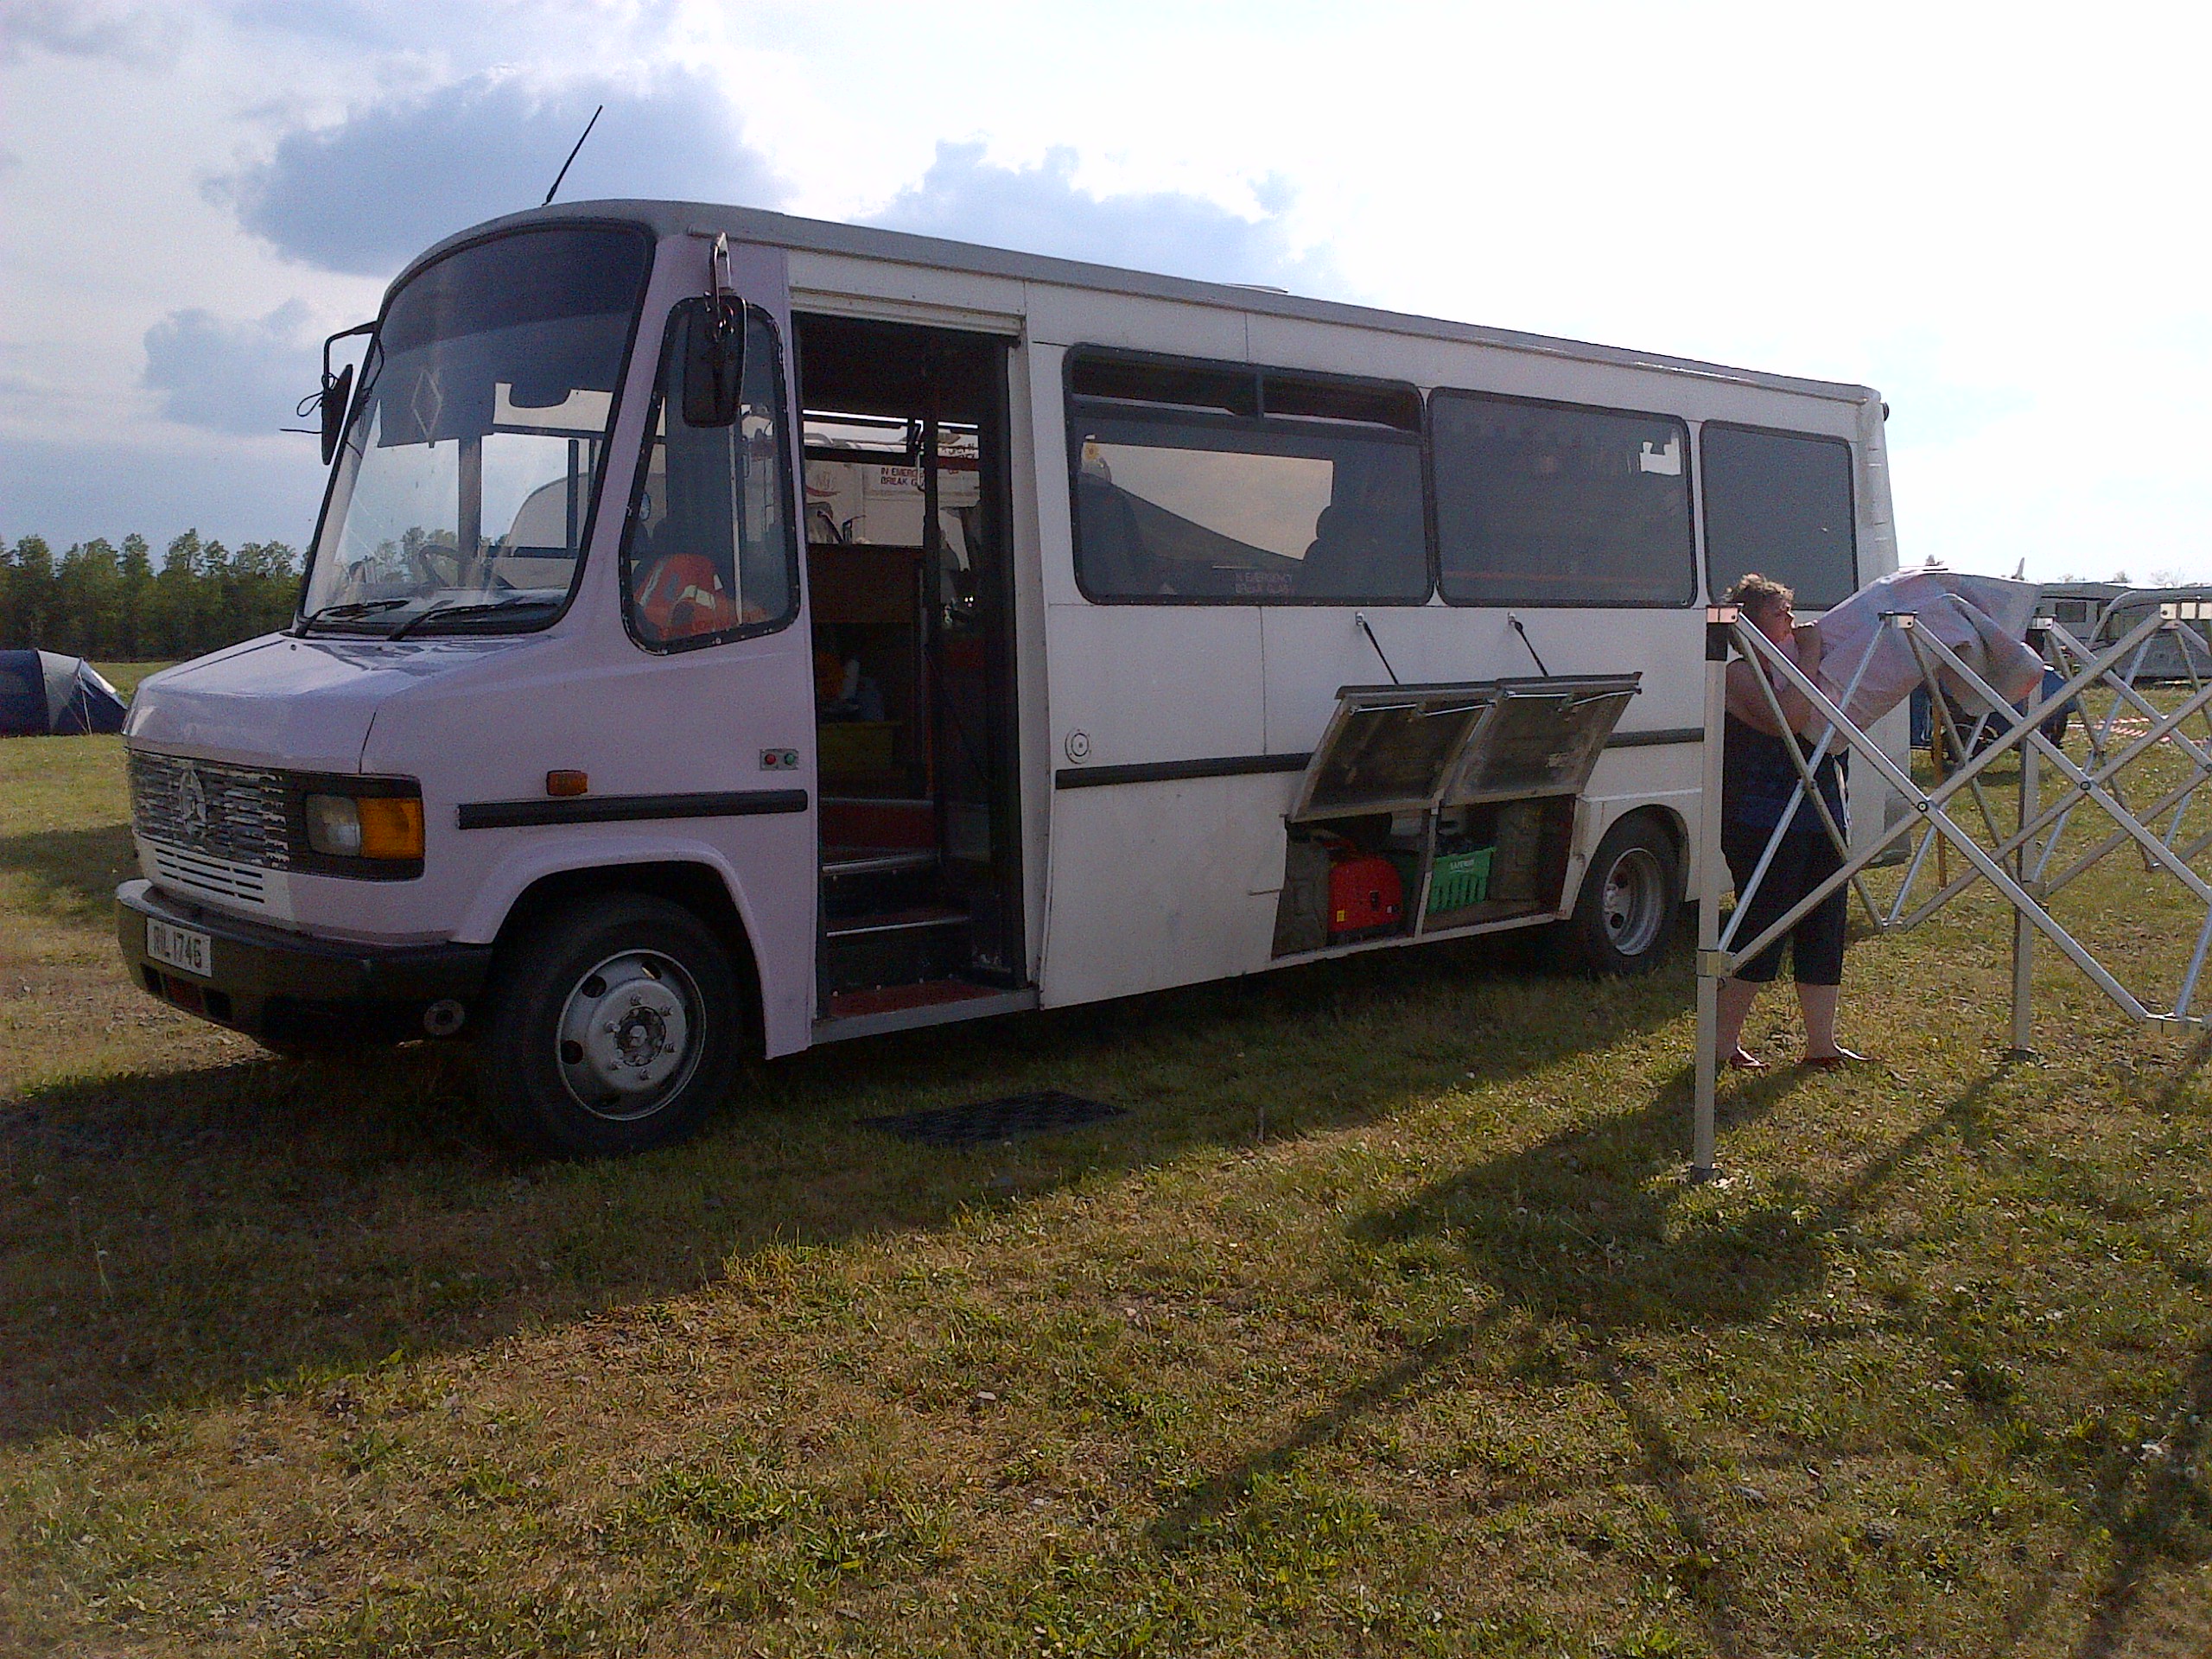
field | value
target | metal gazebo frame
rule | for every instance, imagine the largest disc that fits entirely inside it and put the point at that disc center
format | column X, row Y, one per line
column 2018, row 862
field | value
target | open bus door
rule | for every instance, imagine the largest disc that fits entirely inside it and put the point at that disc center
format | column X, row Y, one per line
column 910, row 567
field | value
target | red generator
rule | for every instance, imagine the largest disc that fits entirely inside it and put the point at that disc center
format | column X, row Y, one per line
column 1365, row 897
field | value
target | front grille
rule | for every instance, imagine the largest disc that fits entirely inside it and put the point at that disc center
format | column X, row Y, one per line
column 177, row 867
column 214, row 813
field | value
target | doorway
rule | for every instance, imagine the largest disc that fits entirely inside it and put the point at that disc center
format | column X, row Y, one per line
column 910, row 582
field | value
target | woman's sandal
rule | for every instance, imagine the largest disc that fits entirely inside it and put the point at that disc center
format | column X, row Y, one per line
column 1842, row 1056
column 1741, row 1061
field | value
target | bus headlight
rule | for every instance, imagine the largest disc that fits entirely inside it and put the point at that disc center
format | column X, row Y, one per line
column 384, row 827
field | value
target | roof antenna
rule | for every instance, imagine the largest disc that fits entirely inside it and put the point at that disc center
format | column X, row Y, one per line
column 566, row 165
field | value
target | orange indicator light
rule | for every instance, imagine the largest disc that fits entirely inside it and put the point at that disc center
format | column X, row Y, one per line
column 391, row 826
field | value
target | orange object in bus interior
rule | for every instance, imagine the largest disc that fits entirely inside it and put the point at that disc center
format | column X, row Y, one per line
column 1365, row 897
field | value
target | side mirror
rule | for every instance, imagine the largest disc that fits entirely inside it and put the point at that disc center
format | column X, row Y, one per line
column 713, row 364
column 336, row 395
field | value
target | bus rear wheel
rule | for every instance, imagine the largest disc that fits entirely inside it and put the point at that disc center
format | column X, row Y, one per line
column 612, row 1026
column 1631, row 899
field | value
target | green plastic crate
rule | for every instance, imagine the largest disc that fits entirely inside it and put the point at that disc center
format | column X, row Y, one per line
column 1458, row 880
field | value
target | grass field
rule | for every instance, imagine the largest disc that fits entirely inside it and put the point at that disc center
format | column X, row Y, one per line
column 1384, row 1322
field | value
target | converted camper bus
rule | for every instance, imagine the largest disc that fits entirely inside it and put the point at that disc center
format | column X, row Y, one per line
column 726, row 633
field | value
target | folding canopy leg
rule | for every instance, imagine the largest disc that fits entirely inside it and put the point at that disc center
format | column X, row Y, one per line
column 2023, row 930
column 1719, row 620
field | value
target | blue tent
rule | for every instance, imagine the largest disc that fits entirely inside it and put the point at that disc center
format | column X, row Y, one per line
column 43, row 692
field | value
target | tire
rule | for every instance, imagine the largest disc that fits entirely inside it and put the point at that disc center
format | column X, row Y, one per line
column 612, row 1025
column 1631, row 898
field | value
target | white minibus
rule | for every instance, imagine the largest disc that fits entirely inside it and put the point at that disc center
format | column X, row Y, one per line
column 726, row 633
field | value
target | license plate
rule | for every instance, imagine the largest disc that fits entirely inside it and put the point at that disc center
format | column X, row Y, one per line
column 180, row 947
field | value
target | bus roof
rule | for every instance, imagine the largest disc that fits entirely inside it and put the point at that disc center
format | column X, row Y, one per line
column 760, row 225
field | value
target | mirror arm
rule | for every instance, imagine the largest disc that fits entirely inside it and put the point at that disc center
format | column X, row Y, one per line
column 332, row 385
column 713, row 362
column 343, row 334
column 721, row 291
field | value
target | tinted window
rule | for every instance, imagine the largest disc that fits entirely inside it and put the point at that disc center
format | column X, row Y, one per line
column 1779, row 504
column 709, row 552
column 1539, row 504
column 510, row 282
column 471, row 467
column 1191, row 386
column 1171, row 504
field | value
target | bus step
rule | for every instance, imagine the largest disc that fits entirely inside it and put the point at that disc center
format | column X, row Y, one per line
column 848, row 861
column 897, row 921
column 897, row 947
column 862, row 881
column 898, row 999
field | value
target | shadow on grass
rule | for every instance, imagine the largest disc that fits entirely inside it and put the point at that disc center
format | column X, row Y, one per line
column 1584, row 1228
column 2192, row 1062
column 72, row 870
column 2149, row 1499
column 169, row 1239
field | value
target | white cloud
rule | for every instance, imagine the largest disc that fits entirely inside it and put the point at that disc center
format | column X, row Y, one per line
column 438, row 161
column 1041, row 209
column 89, row 29
column 232, row 376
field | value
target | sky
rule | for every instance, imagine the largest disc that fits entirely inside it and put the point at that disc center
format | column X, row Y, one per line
column 1997, row 216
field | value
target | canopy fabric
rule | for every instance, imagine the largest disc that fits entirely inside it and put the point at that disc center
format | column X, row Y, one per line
column 43, row 693
column 1984, row 619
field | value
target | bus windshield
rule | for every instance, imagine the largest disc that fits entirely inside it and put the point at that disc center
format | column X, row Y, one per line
column 474, row 453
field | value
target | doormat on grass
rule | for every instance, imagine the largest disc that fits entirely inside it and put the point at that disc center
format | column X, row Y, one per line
column 989, row 1122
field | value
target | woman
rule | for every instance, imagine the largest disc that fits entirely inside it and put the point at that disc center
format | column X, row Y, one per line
column 1759, row 784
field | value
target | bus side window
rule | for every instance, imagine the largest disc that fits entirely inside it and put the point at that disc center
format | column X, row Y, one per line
column 1550, row 504
column 1779, row 503
column 1192, row 502
column 708, row 554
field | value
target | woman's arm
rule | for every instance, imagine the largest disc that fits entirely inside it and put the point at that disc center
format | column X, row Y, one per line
column 1745, row 702
column 1749, row 705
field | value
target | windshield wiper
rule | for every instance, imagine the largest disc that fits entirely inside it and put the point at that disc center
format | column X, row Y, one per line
column 351, row 610
column 454, row 608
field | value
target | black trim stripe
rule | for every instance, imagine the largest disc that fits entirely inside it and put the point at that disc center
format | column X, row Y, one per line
column 1656, row 740
column 631, row 808
column 1165, row 772
column 1242, row 766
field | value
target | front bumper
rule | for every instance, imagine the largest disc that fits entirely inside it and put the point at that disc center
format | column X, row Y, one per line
column 289, row 988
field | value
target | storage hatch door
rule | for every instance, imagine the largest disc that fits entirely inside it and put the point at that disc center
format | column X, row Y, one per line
column 1538, row 738
column 1389, row 748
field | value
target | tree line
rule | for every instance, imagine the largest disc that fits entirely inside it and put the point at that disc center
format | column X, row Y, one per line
column 112, row 603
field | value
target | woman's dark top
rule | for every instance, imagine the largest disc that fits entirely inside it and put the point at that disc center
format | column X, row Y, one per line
column 1757, row 781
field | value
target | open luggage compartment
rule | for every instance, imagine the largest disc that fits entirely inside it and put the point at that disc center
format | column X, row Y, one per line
column 1427, row 808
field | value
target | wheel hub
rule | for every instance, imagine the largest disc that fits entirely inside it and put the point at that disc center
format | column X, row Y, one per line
column 628, row 1036
column 1632, row 903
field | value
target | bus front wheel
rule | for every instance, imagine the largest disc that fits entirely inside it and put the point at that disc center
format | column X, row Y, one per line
column 1630, row 898
column 612, row 1026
